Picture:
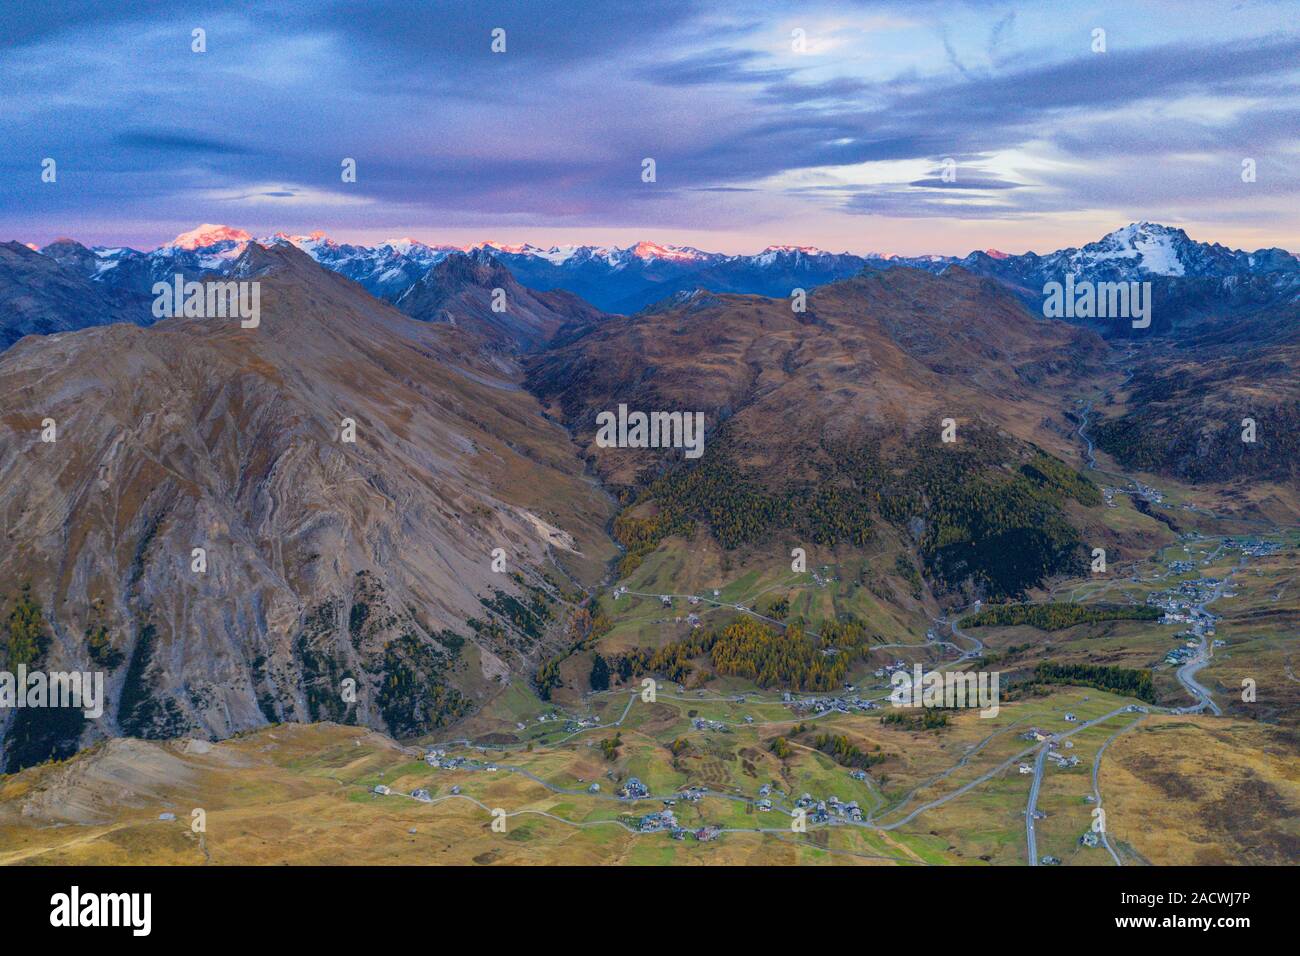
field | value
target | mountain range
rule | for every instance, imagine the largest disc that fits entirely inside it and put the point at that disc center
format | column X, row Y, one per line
column 625, row 280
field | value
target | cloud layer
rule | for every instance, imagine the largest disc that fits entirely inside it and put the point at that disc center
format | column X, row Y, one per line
column 767, row 122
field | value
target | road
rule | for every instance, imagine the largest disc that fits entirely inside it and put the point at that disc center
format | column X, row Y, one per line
column 990, row 774
column 1092, row 457
column 868, row 824
column 1187, row 673
column 1031, row 807
column 975, row 651
column 1096, row 789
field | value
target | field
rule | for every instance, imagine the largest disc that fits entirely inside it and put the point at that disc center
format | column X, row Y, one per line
column 304, row 794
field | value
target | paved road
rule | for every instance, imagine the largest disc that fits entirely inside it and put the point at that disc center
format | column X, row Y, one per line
column 1030, row 835
column 975, row 651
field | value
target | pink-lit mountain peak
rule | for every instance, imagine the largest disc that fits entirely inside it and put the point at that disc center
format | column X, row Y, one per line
column 653, row 250
column 208, row 234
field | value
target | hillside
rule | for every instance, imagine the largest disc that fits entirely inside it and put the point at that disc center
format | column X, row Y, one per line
column 325, row 559
column 1187, row 405
column 823, row 420
column 462, row 287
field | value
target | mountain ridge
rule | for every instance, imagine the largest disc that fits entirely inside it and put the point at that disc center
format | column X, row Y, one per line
column 625, row 280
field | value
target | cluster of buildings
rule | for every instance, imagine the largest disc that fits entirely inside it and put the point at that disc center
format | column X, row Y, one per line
column 1055, row 745
column 1181, row 604
column 1063, row 760
column 822, row 576
column 655, row 822
column 715, row 725
column 1253, row 547
column 822, row 811
column 1147, row 493
column 665, row 821
column 888, row 669
column 633, row 789
column 439, row 760
column 1037, row 735
column 845, row 704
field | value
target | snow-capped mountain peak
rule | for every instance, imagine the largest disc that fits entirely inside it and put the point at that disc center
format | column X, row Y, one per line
column 310, row 243
column 806, row 250
column 653, row 250
column 626, row 279
column 208, row 234
column 405, row 245
column 1154, row 248
column 517, row 249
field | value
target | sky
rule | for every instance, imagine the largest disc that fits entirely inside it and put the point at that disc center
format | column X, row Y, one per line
column 808, row 123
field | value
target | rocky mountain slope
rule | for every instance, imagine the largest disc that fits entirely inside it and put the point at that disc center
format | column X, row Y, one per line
column 325, row 559
column 505, row 313
column 38, row 296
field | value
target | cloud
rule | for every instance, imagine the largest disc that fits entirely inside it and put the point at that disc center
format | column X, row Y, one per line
column 714, row 67
column 553, row 131
column 164, row 142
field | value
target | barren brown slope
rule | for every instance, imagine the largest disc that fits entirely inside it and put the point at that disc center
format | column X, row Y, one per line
column 1190, row 398
column 324, row 559
column 894, row 350
column 823, row 421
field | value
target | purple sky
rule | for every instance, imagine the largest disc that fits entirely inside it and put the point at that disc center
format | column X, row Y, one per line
column 839, row 144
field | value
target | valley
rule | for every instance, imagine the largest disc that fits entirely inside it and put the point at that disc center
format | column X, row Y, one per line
column 588, row 776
